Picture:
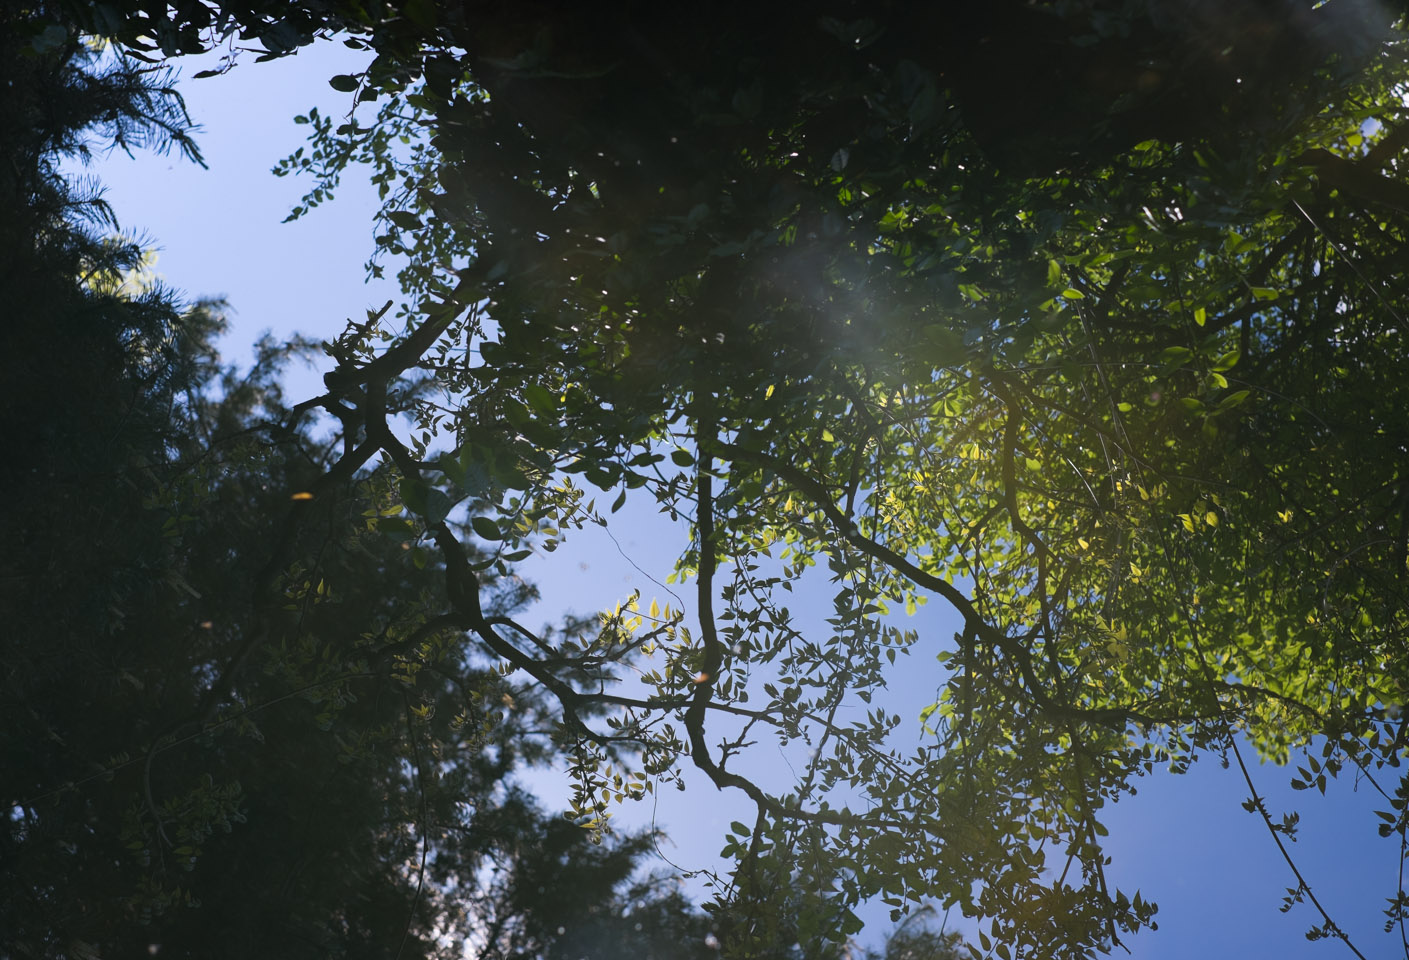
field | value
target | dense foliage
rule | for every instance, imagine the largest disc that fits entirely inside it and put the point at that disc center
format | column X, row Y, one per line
column 1083, row 320
column 233, row 722
column 350, row 793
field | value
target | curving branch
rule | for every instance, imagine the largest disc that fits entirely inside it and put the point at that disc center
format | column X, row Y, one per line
column 974, row 622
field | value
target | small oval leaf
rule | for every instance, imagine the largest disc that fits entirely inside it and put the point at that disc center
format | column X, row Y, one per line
column 486, row 528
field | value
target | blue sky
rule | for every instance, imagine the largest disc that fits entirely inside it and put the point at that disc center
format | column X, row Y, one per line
column 1184, row 841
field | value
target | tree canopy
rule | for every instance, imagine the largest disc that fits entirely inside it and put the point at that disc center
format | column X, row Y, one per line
column 1083, row 320
column 351, row 793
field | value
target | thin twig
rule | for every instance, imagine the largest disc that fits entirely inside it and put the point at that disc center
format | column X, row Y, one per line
column 421, row 827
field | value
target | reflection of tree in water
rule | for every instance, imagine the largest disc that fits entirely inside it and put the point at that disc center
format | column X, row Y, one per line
column 1079, row 320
